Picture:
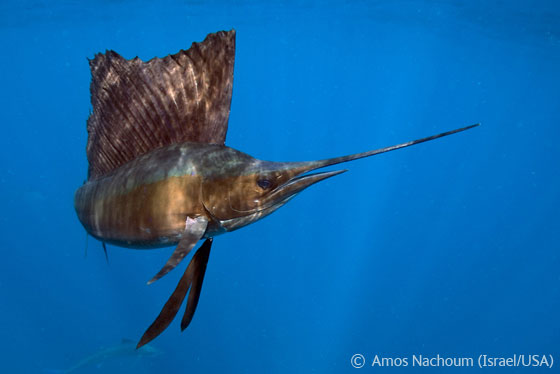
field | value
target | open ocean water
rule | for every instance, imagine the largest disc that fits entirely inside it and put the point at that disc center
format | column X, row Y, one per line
column 446, row 248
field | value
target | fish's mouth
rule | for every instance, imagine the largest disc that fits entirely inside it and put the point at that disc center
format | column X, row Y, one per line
column 301, row 179
column 286, row 191
column 276, row 199
column 295, row 185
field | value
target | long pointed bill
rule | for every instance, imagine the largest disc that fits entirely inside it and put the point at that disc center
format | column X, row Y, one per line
column 295, row 185
column 312, row 165
column 300, row 180
column 247, row 201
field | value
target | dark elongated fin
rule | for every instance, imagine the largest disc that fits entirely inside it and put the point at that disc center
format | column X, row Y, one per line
column 105, row 251
column 194, row 230
column 196, row 287
column 140, row 106
column 171, row 307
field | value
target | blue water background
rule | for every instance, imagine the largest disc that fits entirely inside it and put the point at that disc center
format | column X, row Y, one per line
column 449, row 247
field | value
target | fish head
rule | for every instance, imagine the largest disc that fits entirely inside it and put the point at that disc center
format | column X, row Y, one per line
column 240, row 189
column 246, row 189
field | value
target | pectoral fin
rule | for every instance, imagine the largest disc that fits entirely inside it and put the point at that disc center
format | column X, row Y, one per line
column 194, row 274
column 194, row 230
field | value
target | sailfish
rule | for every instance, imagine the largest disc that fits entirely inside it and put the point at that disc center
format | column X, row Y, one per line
column 160, row 173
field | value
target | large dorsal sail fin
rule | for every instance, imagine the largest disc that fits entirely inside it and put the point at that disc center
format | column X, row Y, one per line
column 140, row 106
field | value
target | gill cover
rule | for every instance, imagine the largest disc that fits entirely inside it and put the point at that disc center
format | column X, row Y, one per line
column 242, row 186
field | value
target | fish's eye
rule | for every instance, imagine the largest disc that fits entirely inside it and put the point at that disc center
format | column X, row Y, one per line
column 264, row 183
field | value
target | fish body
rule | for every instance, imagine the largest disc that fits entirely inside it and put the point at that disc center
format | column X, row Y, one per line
column 145, row 203
column 160, row 173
